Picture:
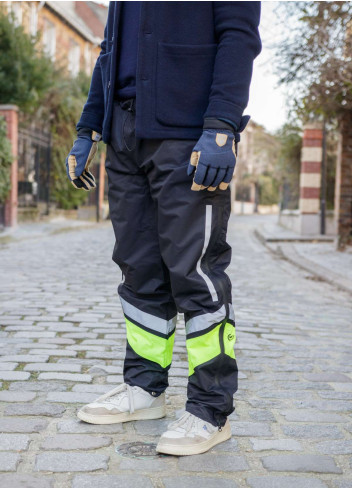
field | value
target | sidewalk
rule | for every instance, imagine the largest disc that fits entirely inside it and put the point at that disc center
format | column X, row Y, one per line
column 315, row 254
column 35, row 230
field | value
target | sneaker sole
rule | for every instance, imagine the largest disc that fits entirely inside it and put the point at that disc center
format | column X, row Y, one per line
column 150, row 413
column 197, row 448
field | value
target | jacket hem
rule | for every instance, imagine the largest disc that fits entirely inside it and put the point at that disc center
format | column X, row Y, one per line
column 169, row 132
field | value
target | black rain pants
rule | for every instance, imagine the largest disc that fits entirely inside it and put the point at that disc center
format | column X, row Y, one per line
column 172, row 250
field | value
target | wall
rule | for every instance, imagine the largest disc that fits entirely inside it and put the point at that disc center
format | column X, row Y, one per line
column 308, row 224
column 37, row 18
column 66, row 39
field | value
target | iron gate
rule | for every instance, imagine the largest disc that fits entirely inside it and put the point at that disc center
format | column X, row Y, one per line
column 34, row 153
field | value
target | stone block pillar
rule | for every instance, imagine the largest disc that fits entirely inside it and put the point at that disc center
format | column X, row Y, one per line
column 10, row 113
column 310, row 178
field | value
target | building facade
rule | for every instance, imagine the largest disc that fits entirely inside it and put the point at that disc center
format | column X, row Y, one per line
column 257, row 154
column 70, row 32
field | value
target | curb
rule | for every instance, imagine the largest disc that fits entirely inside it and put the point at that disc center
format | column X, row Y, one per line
column 10, row 238
column 287, row 252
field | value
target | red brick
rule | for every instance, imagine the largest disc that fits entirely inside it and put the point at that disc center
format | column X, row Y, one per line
column 310, row 193
column 312, row 143
column 313, row 134
column 11, row 117
column 85, row 12
column 310, row 166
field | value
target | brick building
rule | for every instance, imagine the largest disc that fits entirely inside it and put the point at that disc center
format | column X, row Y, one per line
column 71, row 32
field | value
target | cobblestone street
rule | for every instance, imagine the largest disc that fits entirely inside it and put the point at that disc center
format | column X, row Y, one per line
column 62, row 344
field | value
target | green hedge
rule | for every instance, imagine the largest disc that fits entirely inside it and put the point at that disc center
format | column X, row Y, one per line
column 25, row 74
column 5, row 161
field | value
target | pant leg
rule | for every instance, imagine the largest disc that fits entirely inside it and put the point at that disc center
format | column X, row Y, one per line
column 192, row 235
column 145, row 292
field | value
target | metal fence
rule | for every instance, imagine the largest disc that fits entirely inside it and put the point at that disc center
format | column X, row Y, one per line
column 34, row 153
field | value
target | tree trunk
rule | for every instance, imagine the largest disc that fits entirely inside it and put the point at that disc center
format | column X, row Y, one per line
column 343, row 200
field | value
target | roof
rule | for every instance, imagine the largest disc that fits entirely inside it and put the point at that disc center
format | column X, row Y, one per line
column 94, row 15
column 87, row 20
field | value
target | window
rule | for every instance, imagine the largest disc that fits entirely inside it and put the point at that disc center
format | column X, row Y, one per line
column 88, row 59
column 34, row 19
column 49, row 39
column 74, row 58
column 16, row 9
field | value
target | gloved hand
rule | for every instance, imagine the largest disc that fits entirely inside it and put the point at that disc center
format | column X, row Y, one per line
column 80, row 157
column 213, row 158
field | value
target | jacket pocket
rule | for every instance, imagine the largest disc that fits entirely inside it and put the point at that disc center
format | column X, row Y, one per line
column 183, row 82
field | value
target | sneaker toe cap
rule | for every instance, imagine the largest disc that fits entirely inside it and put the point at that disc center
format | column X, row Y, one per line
column 175, row 438
column 95, row 409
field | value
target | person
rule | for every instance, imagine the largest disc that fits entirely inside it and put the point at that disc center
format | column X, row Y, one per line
column 167, row 96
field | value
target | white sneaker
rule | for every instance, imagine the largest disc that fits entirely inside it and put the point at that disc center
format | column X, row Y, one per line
column 190, row 435
column 124, row 403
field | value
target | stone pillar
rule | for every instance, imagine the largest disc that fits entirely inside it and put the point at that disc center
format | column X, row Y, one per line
column 343, row 185
column 10, row 113
column 310, row 178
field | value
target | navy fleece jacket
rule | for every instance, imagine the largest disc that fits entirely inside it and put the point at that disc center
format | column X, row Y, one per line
column 195, row 60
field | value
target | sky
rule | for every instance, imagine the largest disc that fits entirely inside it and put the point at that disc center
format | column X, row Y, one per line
column 267, row 100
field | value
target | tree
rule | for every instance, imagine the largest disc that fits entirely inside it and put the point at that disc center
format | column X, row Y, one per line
column 288, row 165
column 63, row 105
column 25, row 74
column 268, row 189
column 315, row 58
column 5, row 161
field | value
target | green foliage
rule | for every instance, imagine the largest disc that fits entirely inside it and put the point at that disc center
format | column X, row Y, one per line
column 64, row 103
column 268, row 189
column 5, row 161
column 46, row 96
column 25, row 74
column 290, row 151
column 288, row 164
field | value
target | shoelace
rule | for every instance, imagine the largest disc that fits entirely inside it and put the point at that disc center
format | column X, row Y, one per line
column 123, row 390
column 186, row 422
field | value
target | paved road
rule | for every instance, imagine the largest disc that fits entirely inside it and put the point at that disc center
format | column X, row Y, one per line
column 62, row 343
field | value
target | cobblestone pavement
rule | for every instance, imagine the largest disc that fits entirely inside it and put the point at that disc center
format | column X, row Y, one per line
column 62, row 344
